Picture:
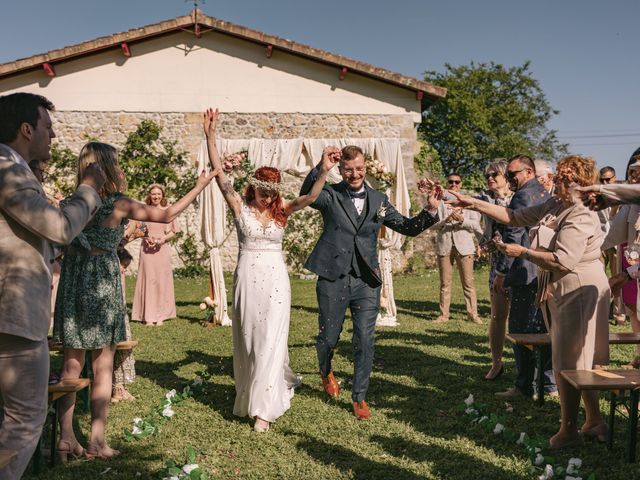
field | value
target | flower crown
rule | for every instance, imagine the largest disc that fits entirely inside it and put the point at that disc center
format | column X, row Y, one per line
column 264, row 185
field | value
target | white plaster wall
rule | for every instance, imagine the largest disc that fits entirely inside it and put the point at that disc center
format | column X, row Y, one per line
column 180, row 73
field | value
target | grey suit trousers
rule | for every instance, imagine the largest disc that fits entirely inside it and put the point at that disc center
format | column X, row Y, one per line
column 24, row 370
column 364, row 302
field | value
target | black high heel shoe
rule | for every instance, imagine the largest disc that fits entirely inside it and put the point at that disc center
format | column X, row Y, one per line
column 497, row 375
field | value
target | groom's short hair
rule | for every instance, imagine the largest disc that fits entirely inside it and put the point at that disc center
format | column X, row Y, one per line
column 350, row 152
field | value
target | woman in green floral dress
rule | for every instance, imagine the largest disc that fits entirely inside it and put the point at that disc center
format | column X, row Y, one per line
column 90, row 310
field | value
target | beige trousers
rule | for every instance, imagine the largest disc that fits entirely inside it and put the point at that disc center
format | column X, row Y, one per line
column 465, row 268
column 24, row 372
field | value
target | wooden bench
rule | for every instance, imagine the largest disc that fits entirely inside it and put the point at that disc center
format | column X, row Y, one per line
column 86, row 371
column 126, row 345
column 617, row 382
column 533, row 341
column 6, row 457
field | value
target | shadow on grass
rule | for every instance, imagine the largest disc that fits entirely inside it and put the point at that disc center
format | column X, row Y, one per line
column 219, row 396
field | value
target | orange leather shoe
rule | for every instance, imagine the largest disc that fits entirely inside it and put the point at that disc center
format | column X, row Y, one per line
column 330, row 385
column 361, row 410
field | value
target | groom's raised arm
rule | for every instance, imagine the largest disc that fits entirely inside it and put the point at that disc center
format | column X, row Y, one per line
column 408, row 226
column 324, row 198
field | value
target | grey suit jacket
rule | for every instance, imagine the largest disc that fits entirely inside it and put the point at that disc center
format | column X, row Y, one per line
column 346, row 234
column 460, row 235
column 28, row 226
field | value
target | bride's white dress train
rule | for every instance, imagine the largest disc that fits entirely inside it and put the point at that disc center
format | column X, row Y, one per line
column 261, row 308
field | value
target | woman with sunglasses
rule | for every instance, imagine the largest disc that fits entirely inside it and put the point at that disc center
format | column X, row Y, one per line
column 573, row 293
column 499, row 193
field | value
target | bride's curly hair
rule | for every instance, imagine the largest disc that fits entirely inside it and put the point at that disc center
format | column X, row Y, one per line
column 276, row 208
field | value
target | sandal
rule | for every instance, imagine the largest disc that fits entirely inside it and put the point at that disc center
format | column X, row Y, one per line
column 64, row 449
column 100, row 451
column 120, row 394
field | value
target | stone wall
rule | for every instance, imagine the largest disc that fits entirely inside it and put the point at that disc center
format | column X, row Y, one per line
column 73, row 128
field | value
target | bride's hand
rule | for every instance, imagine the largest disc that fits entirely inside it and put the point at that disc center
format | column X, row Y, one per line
column 210, row 122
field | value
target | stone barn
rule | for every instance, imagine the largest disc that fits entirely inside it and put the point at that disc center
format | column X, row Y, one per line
column 268, row 88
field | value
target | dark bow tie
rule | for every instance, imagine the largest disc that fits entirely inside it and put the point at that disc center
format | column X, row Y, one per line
column 361, row 195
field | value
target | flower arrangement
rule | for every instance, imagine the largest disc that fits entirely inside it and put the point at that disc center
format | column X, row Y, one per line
column 542, row 463
column 208, row 306
column 150, row 425
column 376, row 170
column 191, row 470
column 239, row 167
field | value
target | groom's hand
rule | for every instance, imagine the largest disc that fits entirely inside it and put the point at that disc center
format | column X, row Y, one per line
column 330, row 157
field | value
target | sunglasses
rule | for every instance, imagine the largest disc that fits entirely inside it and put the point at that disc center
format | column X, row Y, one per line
column 605, row 179
column 455, row 182
column 489, row 175
column 511, row 175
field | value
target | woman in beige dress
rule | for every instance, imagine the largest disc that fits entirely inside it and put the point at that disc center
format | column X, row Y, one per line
column 575, row 297
column 154, row 299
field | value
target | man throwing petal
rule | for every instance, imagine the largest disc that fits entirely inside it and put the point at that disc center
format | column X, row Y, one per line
column 346, row 262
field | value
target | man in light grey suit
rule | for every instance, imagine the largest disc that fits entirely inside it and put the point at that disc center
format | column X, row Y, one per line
column 28, row 227
column 455, row 243
column 346, row 262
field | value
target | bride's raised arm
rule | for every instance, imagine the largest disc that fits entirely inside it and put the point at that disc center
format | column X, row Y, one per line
column 225, row 183
column 330, row 157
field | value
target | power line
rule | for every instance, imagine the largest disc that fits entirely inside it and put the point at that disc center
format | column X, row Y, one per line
column 610, row 135
column 602, row 144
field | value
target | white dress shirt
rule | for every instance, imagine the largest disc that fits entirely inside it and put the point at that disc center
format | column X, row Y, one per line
column 359, row 202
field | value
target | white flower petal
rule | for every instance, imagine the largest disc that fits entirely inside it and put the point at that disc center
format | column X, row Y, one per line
column 469, row 400
column 189, row 468
column 576, row 462
column 520, row 440
column 539, row 459
column 498, row 428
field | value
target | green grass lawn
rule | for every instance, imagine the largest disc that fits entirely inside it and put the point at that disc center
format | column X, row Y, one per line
column 421, row 376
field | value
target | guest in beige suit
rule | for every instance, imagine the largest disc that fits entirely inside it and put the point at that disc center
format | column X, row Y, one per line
column 574, row 295
column 455, row 244
column 28, row 226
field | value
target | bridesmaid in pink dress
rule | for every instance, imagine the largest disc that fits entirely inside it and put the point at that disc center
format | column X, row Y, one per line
column 154, row 299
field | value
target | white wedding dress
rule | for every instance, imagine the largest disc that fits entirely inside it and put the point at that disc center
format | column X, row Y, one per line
column 261, row 309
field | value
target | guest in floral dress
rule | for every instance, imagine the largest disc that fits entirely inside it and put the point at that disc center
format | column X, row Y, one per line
column 90, row 310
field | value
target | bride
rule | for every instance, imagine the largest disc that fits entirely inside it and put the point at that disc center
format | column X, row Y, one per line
column 261, row 290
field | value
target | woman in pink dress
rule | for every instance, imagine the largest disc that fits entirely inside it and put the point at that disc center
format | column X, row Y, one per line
column 154, row 299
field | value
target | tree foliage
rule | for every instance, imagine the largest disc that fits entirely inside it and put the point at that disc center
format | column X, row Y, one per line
column 146, row 158
column 490, row 111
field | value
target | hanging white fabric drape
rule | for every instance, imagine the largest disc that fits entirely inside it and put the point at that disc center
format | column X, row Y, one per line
column 389, row 153
column 212, row 228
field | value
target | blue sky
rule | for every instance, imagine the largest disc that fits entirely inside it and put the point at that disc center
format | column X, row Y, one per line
column 583, row 52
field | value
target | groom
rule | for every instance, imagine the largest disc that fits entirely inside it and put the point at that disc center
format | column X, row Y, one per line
column 346, row 262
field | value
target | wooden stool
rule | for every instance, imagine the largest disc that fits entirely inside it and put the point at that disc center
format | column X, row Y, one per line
column 617, row 382
column 533, row 341
column 56, row 392
column 86, row 371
